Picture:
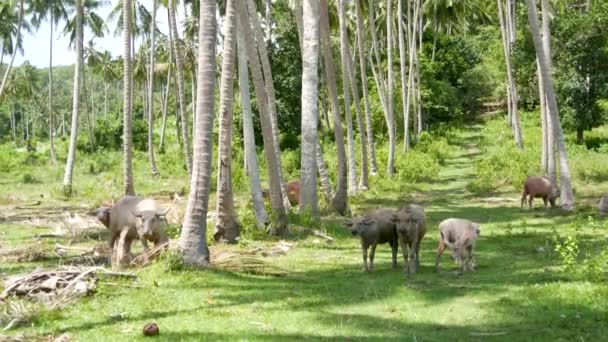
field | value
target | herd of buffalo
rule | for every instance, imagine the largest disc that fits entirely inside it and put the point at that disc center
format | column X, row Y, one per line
column 143, row 219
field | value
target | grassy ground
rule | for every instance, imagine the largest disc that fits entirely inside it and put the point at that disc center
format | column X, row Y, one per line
column 519, row 291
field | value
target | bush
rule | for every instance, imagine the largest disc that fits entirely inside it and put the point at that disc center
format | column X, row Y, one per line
column 8, row 158
column 27, row 178
column 108, row 135
column 416, row 166
column 436, row 147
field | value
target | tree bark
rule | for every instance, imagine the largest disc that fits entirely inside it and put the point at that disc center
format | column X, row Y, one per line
column 340, row 199
column 543, row 120
column 127, row 98
column 299, row 21
column 69, row 166
column 378, row 76
column 161, row 145
column 310, row 109
column 567, row 196
column 193, row 242
column 352, row 172
column 280, row 227
column 151, row 159
column 365, row 88
column 51, row 118
column 391, row 90
column 406, row 117
column 179, row 66
column 268, row 83
column 248, row 136
column 551, row 137
column 226, row 226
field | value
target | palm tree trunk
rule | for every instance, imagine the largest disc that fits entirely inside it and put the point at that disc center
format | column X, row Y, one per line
column 151, row 159
column 365, row 88
column 226, row 226
column 546, row 40
column 193, row 89
column 364, row 181
column 418, row 79
column 270, row 93
column 352, row 172
column 299, row 21
column 378, row 76
column 339, row 201
column 505, row 24
column 179, row 66
column 567, row 196
column 165, row 107
column 17, row 40
column 323, row 175
column 13, row 124
column 280, row 227
column 391, row 102
column 543, row 120
column 51, row 120
column 310, row 110
column 127, row 98
column 193, row 241
column 248, row 136
column 406, row 118
column 69, row 166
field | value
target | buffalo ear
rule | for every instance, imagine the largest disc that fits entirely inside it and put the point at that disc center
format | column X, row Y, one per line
column 348, row 223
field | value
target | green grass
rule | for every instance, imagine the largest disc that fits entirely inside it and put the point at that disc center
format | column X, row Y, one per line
column 519, row 291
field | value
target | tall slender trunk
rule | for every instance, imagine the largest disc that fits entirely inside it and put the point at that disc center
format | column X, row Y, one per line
column 270, row 93
column 551, row 137
column 507, row 36
column 161, row 145
column 352, row 172
column 365, row 88
column 543, row 120
column 364, row 180
column 13, row 123
column 339, row 201
column 69, row 166
column 280, row 227
column 567, row 196
column 15, row 48
column 51, row 118
column 193, row 240
column 127, row 98
column 412, row 14
column 378, row 76
column 406, row 118
column 179, row 67
column 226, row 226
column 151, row 159
column 418, row 79
column 299, row 21
column 310, row 109
column 248, row 136
column 391, row 88
column 323, row 175
column 193, row 89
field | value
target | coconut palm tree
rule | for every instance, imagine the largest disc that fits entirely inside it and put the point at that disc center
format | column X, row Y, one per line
column 352, row 172
column 54, row 11
column 151, row 67
column 15, row 46
column 567, row 196
column 390, row 98
column 365, row 88
column 272, row 106
column 248, row 136
column 127, row 100
column 179, row 68
column 340, row 200
column 192, row 242
column 280, row 226
column 310, row 111
column 226, row 226
column 69, row 166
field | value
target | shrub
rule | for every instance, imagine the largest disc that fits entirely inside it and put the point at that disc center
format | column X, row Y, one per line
column 436, row 147
column 416, row 166
column 27, row 178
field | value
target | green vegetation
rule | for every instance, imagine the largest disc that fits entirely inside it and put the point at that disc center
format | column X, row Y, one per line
column 540, row 275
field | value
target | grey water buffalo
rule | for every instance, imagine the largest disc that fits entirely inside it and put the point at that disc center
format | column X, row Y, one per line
column 539, row 187
column 142, row 217
column 410, row 224
column 375, row 227
column 459, row 236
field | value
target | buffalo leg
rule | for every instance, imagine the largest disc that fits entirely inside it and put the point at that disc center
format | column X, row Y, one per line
column 440, row 250
column 372, row 253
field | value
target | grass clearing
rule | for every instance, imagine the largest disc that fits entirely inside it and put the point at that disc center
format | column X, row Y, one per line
column 520, row 291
